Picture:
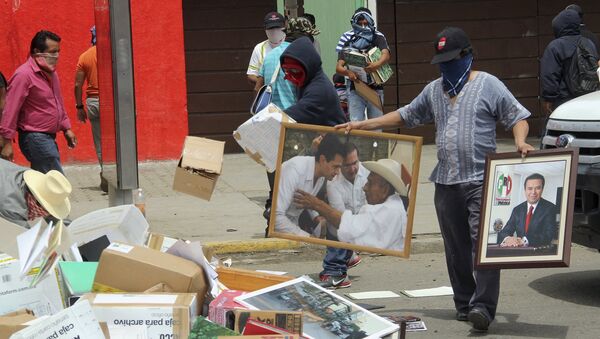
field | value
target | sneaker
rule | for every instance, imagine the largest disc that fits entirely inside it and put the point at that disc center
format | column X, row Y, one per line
column 334, row 281
column 462, row 316
column 354, row 260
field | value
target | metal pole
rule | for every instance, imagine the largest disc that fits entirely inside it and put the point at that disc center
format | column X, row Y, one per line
column 124, row 104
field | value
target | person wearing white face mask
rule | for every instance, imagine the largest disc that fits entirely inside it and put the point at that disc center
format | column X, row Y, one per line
column 35, row 107
column 275, row 31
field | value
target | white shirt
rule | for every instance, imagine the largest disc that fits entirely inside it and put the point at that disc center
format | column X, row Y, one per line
column 258, row 57
column 344, row 195
column 382, row 225
column 296, row 173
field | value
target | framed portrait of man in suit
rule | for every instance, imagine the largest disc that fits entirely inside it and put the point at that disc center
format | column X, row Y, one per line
column 527, row 209
column 354, row 191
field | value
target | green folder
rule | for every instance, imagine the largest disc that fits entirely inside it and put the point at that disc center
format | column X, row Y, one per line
column 78, row 276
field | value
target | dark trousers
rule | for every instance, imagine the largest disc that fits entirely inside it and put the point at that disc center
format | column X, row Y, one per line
column 458, row 209
column 41, row 151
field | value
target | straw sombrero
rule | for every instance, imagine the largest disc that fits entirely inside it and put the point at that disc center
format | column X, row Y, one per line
column 390, row 170
column 51, row 190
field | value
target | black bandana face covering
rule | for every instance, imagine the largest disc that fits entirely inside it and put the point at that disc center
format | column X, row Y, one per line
column 455, row 74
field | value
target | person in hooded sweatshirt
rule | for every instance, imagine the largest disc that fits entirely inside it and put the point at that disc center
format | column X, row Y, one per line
column 567, row 31
column 317, row 101
column 465, row 106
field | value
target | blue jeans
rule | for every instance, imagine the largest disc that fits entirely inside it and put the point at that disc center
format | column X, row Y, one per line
column 357, row 105
column 41, row 151
column 335, row 261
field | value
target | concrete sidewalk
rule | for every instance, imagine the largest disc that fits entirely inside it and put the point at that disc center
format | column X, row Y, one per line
column 235, row 211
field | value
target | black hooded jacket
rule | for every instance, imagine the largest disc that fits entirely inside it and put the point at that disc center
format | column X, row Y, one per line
column 566, row 26
column 317, row 101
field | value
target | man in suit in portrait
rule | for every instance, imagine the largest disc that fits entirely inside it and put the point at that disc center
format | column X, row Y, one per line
column 534, row 220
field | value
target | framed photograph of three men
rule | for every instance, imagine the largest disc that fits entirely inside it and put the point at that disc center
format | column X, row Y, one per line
column 527, row 209
column 354, row 191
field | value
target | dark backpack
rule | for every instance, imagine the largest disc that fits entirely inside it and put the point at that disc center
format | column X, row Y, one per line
column 580, row 72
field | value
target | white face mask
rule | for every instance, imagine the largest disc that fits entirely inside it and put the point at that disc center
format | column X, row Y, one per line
column 275, row 36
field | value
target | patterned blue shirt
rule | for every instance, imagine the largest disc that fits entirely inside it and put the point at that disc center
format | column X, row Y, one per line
column 283, row 91
column 465, row 130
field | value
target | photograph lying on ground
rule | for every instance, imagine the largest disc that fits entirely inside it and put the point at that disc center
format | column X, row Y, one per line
column 354, row 191
column 527, row 209
column 326, row 315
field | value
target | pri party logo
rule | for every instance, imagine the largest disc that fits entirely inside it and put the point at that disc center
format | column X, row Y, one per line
column 503, row 188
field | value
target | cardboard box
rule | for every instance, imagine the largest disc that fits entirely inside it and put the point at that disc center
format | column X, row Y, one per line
column 125, row 268
column 15, row 294
column 160, row 242
column 164, row 315
column 287, row 320
column 77, row 321
column 199, row 167
column 14, row 322
column 223, row 303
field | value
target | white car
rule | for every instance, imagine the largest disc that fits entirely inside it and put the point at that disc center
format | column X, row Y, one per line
column 576, row 123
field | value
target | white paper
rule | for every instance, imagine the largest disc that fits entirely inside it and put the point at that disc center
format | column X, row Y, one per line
column 108, row 298
column 77, row 321
column 115, row 246
column 429, row 292
column 372, row 295
column 123, row 223
column 415, row 326
column 193, row 251
column 259, row 135
column 32, row 244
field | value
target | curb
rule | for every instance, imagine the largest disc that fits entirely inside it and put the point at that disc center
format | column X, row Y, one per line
column 425, row 243
column 253, row 245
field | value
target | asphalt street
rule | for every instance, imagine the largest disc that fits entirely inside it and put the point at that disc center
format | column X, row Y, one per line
column 534, row 303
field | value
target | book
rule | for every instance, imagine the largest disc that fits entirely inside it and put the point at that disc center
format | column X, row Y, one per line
column 354, row 58
column 206, row 329
column 384, row 73
column 254, row 327
column 356, row 61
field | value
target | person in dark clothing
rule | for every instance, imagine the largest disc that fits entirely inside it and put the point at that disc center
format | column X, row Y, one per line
column 566, row 26
column 317, row 101
column 584, row 31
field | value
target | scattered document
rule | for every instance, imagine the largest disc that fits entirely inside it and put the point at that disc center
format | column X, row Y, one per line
column 32, row 244
column 372, row 295
column 429, row 292
column 193, row 251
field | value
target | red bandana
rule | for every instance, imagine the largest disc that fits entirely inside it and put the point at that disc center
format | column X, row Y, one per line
column 34, row 209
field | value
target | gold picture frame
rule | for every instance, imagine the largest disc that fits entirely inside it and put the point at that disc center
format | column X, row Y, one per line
column 401, row 152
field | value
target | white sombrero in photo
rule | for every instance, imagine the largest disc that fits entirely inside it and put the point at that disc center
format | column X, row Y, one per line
column 390, row 170
column 51, row 190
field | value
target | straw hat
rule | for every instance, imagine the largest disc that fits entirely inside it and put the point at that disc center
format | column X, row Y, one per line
column 51, row 190
column 390, row 170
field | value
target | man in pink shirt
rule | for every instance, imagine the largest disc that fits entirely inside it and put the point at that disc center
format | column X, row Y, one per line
column 35, row 108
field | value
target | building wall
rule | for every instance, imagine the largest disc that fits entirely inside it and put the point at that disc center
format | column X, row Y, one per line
column 159, row 67
column 508, row 36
